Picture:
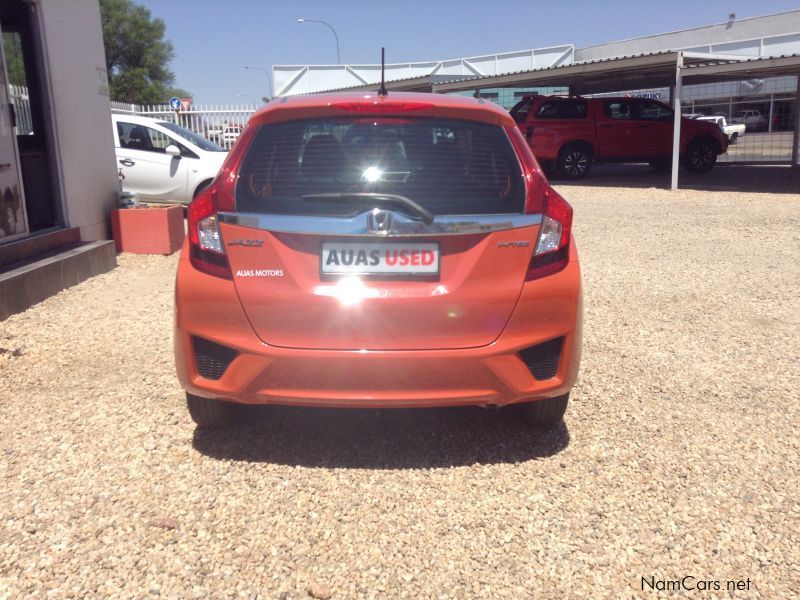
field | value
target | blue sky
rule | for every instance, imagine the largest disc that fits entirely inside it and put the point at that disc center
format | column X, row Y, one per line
column 214, row 40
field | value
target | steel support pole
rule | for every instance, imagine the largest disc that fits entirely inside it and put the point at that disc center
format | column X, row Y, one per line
column 796, row 138
column 676, row 124
column 771, row 108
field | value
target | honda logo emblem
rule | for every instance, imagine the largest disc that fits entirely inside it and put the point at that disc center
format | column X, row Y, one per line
column 379, row 221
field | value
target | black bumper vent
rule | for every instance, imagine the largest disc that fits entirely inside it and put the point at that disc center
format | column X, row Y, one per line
column 542, row 359
column 212, row 359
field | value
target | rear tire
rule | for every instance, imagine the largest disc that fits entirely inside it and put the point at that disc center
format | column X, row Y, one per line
column 206, row 412
column 574, row 161
column 701, row 155
column 734, row 138
column 546, row 413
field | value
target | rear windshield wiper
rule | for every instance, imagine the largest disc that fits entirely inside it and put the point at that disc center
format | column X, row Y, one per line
column 412, row 209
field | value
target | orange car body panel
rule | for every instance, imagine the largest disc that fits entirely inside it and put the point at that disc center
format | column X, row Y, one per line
column 467, row 307
column 395, row 104
column 208, row 307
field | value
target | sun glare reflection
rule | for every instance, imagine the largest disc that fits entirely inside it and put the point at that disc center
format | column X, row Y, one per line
column 348, row 291
column 371, row 174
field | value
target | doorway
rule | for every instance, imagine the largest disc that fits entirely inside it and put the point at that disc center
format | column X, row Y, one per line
column 25, row 108
column 13, row 219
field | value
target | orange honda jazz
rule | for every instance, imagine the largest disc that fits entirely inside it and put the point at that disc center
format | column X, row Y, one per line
column 379, row 250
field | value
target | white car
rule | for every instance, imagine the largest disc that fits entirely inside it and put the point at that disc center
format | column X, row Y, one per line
column 753, row 119
column 162, row 161
column 733, row 130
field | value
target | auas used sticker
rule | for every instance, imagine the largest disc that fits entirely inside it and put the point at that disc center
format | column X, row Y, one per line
column 379, row 258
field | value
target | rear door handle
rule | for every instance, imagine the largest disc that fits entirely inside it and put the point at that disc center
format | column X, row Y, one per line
column 605, row 125
column 127, row 162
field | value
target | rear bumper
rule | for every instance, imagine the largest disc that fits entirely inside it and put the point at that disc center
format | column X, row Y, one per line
column 208, row 308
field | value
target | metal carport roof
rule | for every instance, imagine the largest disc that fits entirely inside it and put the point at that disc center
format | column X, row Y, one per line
column 641, row 71
column 635, row 72
column 659, row 69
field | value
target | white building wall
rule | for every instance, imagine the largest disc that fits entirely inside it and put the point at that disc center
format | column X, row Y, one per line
column 75, row 68
column 740, row 36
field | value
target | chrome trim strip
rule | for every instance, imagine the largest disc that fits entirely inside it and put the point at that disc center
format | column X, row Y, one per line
column 401, row 225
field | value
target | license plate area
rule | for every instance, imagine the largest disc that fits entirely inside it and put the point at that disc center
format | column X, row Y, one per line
column 380, row 259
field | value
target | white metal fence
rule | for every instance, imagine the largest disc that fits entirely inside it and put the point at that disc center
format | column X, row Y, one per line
column 766, row 105
column 218, row 123
column 766, row 108
column 22, row 108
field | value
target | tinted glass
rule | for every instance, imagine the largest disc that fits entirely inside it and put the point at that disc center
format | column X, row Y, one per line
column 654, row 111
column 196, row 139
column 617, row 110
column 133, row 136
column 446, row 166
column 562, row 109
column 140, row 137
column 521, row 109
column 20, row 97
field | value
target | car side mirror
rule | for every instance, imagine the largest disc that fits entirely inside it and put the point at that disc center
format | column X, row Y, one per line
column 173, row 151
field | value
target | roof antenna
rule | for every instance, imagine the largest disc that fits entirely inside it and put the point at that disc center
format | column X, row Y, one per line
column 382, row 90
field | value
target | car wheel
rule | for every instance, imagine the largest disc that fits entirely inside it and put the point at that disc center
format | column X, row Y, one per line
column 701, row 156
column 574, row 161
column 206, row 412
column 734, row 138
column 545, row 413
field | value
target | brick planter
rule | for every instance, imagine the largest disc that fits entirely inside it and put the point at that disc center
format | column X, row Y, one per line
column 148, row 230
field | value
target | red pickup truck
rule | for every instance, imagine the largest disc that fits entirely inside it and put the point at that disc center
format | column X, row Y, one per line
column 567, row 134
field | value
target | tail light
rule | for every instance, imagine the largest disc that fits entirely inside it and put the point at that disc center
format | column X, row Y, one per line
column 552, row 248
column 207, row 250
column 379, row 105
column 551, row 253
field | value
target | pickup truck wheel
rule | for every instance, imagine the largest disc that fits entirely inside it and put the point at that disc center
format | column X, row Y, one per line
column 701, row 156
column 545, row 413
column 574, row 161
column 734, row 137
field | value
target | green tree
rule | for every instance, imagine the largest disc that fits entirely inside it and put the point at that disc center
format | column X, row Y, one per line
column 12, row 46
column 137, row 55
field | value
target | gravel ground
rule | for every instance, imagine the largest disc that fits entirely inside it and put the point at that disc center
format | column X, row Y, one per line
column 678, row 456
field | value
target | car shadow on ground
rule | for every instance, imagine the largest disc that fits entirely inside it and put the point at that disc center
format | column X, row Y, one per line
column 379, row 439
column 776, row 179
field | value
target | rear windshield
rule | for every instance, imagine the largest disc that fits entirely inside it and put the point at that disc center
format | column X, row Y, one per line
column 446, row 166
